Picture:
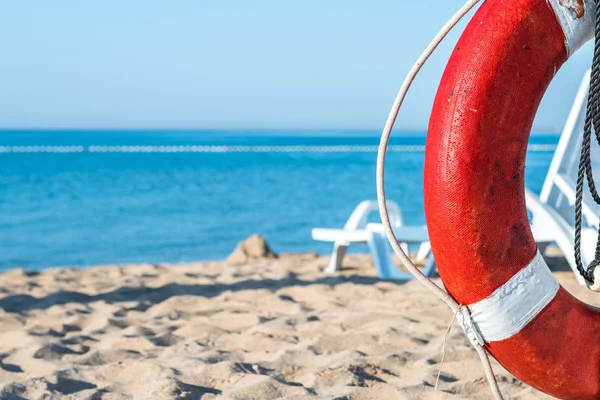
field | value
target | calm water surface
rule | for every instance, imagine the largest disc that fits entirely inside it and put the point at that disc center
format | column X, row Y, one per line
column 97, row 204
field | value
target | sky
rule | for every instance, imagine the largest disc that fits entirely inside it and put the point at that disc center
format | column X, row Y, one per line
column 230, row 64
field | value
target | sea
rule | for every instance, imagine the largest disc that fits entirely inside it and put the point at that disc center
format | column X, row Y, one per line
column 92, row 197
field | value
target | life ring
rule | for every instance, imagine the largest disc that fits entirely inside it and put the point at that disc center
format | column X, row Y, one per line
column 475, row 198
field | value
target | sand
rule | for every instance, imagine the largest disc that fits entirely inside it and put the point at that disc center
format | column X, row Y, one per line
column 268, row 329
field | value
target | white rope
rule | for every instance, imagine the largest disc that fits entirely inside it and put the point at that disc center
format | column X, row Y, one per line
column 444, row 346
column 381, row 199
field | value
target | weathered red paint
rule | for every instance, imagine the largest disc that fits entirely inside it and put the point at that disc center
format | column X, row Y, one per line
column 474, row 188
column 576, row 7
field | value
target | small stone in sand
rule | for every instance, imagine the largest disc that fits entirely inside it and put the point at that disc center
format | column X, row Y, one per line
column 253, row 248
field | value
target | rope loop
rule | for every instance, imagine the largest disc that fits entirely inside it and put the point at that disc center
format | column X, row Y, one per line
column 585, row 172
column 381, row 198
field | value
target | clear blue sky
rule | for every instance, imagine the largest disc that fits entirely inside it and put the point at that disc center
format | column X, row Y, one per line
column 227, row 63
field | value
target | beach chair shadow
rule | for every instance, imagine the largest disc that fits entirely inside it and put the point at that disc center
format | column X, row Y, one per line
column 147, row 297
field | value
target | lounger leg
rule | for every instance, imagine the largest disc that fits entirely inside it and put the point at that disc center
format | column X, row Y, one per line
column 335, row 263
column 424, row 251
column 542, row 247
column 430, row 267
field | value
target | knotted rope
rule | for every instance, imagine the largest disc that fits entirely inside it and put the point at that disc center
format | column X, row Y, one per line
column 592, row 119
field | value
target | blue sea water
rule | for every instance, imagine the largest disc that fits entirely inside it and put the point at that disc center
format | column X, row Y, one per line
column 81, row 198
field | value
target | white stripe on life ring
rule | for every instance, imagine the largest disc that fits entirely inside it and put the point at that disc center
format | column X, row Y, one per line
column 578, row 28
column 512, row 306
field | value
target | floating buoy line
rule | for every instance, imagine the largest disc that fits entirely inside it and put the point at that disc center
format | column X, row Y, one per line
column 534, row 148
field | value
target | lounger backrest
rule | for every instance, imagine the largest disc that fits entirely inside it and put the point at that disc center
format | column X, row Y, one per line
column 560, row 183
column 360, row 216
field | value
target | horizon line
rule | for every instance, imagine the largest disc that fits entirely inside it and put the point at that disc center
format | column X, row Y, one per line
column 547, row 131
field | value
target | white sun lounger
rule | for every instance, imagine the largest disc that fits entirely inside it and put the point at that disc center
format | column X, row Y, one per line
column 552, row 213
column 381, row 251
column 357, row 230
column 354, row 231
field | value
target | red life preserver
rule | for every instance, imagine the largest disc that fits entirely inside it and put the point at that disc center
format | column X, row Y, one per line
column 475, row 198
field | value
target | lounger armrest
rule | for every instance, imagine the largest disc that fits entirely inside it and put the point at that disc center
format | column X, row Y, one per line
column 340, row 235
column 405, row 234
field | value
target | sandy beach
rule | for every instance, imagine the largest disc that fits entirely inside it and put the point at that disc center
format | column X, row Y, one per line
column 262, row 329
